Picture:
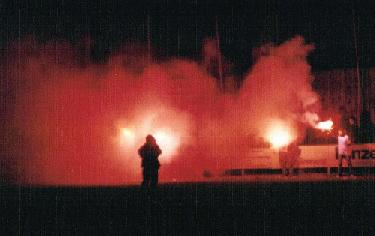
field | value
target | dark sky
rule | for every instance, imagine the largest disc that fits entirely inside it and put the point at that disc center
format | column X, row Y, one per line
column 179, row 27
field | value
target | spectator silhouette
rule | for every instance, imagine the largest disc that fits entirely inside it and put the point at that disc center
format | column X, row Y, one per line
column 293, row 155
column 352, row 130
column 367, row 128
column 149, row 153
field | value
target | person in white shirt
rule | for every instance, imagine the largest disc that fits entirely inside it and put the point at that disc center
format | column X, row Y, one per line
column 343, row 143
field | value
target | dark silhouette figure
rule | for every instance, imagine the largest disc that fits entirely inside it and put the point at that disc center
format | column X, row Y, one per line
column 288, row 158
column 293, row 154
column 352, row 130
column 367, row 128
column 149, row 153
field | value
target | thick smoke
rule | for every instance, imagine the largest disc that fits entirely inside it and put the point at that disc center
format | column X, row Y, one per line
column 76, row 123
column 278, row 87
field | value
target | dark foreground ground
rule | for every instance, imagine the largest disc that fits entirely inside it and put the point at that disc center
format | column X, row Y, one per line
column 237, row 208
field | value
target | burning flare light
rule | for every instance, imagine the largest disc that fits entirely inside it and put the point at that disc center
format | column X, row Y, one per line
column 168, row 142
column 325, row 125
column 279, row 135
column 127, row 136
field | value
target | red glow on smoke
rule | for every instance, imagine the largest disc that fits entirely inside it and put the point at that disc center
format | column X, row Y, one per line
column 127, row 137
column 82, row 125
column 168, row 142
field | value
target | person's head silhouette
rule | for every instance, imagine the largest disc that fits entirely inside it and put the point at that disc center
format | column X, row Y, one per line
column 150, row 139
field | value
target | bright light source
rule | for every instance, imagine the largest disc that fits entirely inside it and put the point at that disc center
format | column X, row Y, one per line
column 279, row 138
column 325, row 125
column 279, row 135
column 127, row 136
column 167, row 142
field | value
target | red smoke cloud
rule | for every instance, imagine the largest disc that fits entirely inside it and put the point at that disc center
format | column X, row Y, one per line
column 67, row 119
column 278, row 87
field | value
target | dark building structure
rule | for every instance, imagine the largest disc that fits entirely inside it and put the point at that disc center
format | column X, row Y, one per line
column 341, row 98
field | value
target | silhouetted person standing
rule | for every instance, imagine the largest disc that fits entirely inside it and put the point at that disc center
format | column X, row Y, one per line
column 367, row 128
column 293, row 154
column 149, row 153
column 352, row 130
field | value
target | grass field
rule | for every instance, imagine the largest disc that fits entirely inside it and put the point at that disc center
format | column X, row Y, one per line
column 335, row 207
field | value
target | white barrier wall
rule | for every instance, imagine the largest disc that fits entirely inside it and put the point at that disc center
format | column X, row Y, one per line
column 363, row 155
column 311, row 156
column 317, row 156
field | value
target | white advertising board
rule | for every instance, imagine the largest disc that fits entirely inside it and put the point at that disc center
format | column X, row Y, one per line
column 363, row 155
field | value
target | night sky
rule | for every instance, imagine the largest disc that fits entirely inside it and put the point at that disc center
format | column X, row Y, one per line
column 178, row 28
